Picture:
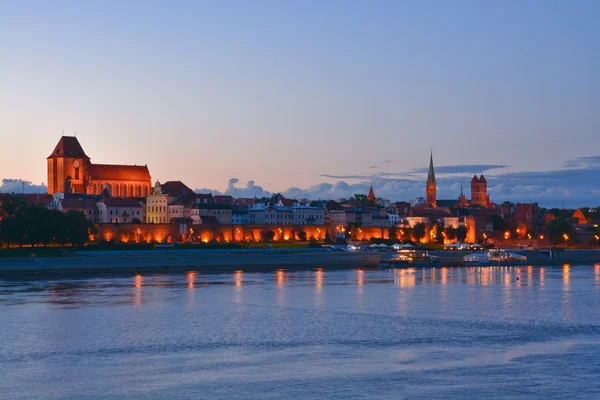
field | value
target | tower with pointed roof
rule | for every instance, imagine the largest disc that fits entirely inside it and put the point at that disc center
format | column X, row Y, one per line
column 371, row 197
column 462, row 199
column 431, row 189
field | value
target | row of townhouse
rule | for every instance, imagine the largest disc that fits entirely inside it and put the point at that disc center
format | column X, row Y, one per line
column 284, row 215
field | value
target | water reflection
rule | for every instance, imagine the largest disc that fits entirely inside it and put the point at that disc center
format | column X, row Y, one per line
column 319, row 288
column 406, row 277
column 191, row 279
column 566, row 277
column 237, row 278
column 360, row 280
column 281, row 292
column 566, row 294
column 319, row 280
column 597, row 273
column 138, row 281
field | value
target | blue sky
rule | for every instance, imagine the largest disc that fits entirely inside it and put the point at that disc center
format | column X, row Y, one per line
column 311, row 98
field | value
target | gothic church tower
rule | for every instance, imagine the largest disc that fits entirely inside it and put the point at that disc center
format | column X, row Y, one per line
column 431, row 185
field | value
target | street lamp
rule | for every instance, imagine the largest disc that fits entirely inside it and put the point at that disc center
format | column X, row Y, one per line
column 566, row 237
column 597, row 237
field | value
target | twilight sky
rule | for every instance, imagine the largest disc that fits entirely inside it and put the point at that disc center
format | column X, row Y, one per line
column 312, row 98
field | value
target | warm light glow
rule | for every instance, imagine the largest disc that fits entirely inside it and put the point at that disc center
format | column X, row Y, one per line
column 360, row 277
column 566, row 275
column 319, row 279
column 237, row 276
column 191, row 278
column 280, row 276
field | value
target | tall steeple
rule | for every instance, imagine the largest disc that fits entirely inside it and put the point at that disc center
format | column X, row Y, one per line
column 371, row 195
column 431, row 188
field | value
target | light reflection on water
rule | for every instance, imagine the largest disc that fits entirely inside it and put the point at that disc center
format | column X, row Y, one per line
column 433, row 333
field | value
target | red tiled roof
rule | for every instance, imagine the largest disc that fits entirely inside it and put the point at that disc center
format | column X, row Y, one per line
column 287, row 202
column 121, row 202
column 68, row 146
column 223, row 199
column 38, row 198
column 482, row 179
column 175, row 188
column 248, row 201
column 77, row 204
column 107, row 172
column 371, row 195
column 475, row 179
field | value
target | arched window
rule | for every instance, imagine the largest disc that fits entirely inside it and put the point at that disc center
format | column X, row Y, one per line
column 139, row 191
column 117, row 192
column 125, row 191
column 146, row 190
column 94, row 188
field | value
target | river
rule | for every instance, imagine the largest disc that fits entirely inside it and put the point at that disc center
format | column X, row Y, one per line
column 444, row 333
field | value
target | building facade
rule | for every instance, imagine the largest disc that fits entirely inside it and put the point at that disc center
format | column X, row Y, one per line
column 157, row 211
column 70, row 170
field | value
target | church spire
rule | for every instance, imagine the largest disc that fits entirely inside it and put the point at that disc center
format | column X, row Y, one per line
column 431, row 188
column 371, row 195
column 431, row 174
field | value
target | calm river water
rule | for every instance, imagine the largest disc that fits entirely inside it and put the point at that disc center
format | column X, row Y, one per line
column 427, row 333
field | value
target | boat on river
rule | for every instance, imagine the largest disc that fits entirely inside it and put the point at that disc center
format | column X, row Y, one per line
column 408, row 259
column 494, row 258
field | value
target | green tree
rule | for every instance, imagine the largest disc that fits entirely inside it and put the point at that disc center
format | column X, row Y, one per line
column 450, row 233
column 77, row 228
column 499, row 223
column 557, row 228
column 461, row 233
column 328, row 238
column 393, row 233
column 359, row 198
column 11, row 230
column 301, row 235
column 439, row 237
column 419, row 231
column 267, row 236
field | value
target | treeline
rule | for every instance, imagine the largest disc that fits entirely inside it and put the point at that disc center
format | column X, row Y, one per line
column 25, row 224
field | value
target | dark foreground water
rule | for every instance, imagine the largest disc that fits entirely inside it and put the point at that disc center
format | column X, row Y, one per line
column 436, row 334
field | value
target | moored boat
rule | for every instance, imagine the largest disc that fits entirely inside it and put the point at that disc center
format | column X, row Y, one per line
column 408, row 259
column 494, row 258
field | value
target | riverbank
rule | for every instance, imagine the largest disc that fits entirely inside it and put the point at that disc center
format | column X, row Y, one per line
column 247, row 260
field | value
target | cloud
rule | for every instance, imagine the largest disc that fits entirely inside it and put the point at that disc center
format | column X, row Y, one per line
column 583, row 162
column 16, row 186
column 374, row 166
column 387, row 161
column 460, row 169
column 572, row 187
column 250, row 190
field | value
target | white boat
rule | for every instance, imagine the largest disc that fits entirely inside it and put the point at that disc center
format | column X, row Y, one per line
column 494, row 258
column 408, row 259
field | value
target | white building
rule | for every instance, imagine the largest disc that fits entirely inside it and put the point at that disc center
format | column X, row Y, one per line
column 157, row 211
column 306, row 215
column 119, row 210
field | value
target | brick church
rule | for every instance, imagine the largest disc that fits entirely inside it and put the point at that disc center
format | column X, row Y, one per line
column 70, row 170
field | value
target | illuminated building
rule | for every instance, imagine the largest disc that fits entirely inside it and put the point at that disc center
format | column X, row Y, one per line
column 479, row 196
column 70, row 170
column 157, row 206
